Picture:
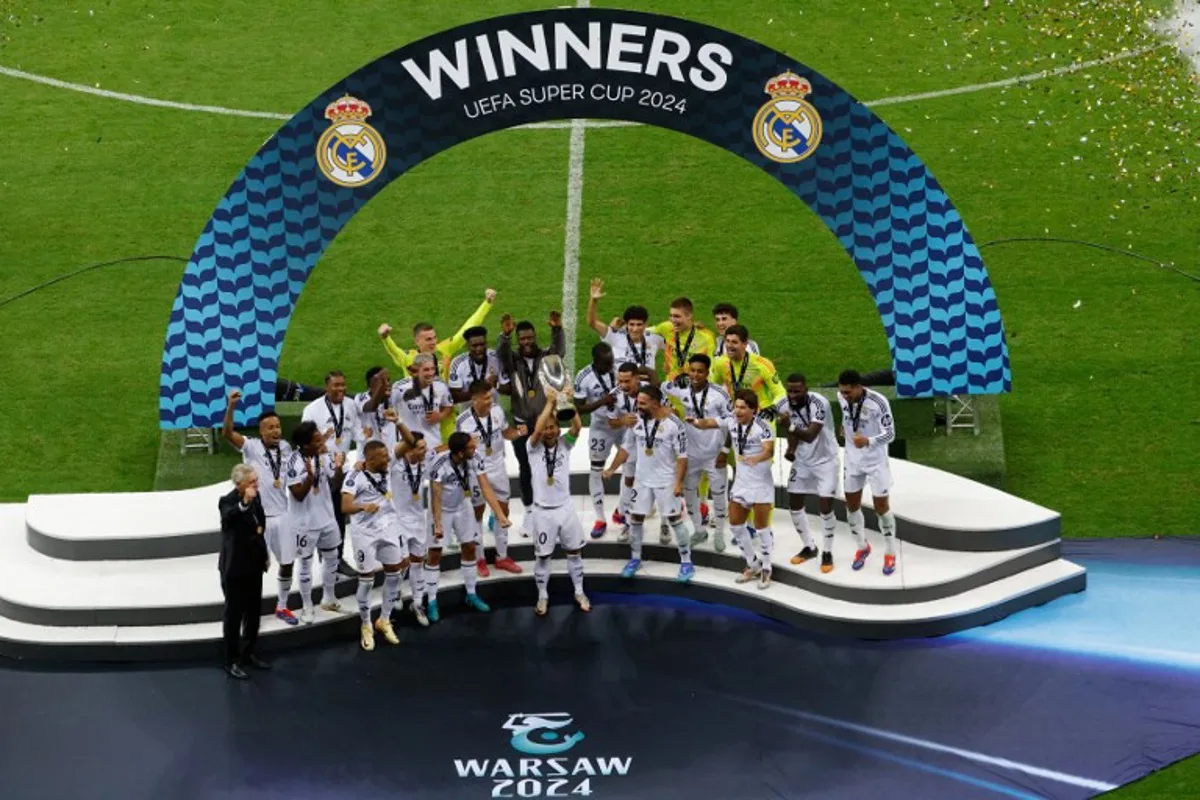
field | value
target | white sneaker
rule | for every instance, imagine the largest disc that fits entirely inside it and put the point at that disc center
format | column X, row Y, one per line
column 749, row 574
column 332, row 605
column 307, row 615
column 543, row 605
column 419, row 614
column 764, row 580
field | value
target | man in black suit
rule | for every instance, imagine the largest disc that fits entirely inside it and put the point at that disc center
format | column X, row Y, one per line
column 242, row 563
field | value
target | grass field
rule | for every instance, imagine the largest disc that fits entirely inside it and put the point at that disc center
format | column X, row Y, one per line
column 1105, row 352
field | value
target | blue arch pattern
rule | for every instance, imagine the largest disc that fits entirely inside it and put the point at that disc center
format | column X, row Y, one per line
column 934, row 298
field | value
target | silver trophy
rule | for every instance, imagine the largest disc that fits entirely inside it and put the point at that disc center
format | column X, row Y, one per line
column 553, row 375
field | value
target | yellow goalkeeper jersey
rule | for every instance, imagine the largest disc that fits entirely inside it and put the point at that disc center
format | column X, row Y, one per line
column 755, row 373
column 445, row 350
column 682, row 346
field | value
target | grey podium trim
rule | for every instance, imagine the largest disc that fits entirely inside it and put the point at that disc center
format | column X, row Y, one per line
column 522, row 593
column 194, row 544
column 345, row 586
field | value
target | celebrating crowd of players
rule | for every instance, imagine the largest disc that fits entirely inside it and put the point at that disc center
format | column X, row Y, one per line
column 674, row 407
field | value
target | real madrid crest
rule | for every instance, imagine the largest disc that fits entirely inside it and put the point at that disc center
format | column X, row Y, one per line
column 351, row 153
column 787, row 129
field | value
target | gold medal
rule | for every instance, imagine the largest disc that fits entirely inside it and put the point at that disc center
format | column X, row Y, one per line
column 277, row 483
column 531, row 393
column 549, row 480
column 337, row 440
column 387, row 496
column 649, row 451
column 487, row 450
column 416, row 497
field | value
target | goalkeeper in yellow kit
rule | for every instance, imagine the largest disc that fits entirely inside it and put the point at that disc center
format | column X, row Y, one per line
column 741, row 369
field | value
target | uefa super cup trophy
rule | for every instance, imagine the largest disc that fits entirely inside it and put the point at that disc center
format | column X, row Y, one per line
column 554, row 376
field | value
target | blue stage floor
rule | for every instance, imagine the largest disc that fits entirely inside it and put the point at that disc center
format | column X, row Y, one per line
column 673, row 699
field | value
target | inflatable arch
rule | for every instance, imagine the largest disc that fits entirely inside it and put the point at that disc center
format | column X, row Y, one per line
column 307, row 182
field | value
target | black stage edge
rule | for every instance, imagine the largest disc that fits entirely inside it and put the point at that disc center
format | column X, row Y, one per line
column 520, row 591
column 210, row 542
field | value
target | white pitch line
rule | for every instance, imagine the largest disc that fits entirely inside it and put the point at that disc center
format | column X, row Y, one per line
column 885, row 101
column 570, row 282
column 969, row 755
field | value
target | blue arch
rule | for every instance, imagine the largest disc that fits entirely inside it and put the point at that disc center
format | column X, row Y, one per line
column 267, row 234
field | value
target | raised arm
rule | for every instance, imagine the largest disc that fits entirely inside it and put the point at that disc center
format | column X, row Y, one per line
column 456, row 342
column 558, row 340
column 543, row 419
column 227, row 430
column 593, row 312
column 398, row 354
column 504, row 343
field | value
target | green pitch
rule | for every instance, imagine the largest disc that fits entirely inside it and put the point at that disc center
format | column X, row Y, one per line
column 1105, row 407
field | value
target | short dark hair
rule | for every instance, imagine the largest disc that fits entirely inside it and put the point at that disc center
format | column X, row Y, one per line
column 372, row 446
column 725, row 308
column 797, row 377
column 849, row 377
column 266, row 416
column 303, row 433
column 600, row 348
column 474, row 332
column 479, row 387
column 524, row 325
column 334, row 373
column 748, row 397
column 458, row 442
column 700, row 358
column 739, row 331
column 652, row 392
column 371, row 373
column 683, row 303
column 636, row 312
column 628, row 366
column 421, row 327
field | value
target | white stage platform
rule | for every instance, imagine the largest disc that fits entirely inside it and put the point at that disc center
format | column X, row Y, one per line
column 131, row 576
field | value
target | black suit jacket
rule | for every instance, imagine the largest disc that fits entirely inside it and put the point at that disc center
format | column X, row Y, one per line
column 243, row 546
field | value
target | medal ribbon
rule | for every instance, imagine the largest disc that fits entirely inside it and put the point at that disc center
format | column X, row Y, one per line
column 414, row 481
column 487, row 435
column 338, row 423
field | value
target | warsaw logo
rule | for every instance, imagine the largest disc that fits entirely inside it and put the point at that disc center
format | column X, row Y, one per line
column 544, row 736
column 787, row 129
column 351, row 153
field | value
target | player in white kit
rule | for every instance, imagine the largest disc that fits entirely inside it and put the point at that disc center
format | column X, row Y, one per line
column 596, row 394
column 311, row 475
column 662, row 462
column 423, row 401
column 753, row 489
column 375, row 539
column 376, row 416
column 621, row 420
column 554, row 519
column 268, row 454
column 479, row 363
column 703, row 400
column 628, row 337
column 337, row 419
column 868, row 428
column 408, row 475
column 450, row 484
column 484, row 421
column 812, row 449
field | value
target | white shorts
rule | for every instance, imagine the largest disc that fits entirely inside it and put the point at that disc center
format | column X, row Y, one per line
column 414, row 537
column 819, row 479
column 497, row 475
column 878, row 476
column 559, row 525
column 374, row 547
column 280, row 540
column 601, row 442
column 461, row 524
column 643, row 498
column 747, row 494
column 308, row 542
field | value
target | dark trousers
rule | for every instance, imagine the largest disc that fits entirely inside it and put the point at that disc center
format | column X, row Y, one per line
column 521, row 450
column 243, row 598
column 335, row 486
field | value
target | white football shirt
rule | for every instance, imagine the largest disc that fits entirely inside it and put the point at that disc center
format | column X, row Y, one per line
column 711, row 402
column 642, row 353
column 407, row 480
column 455, row 478
column 659, row 443
column 815, row 408
column 315, row 511
column 382, row 430
column 590, row 386
column 464, row 372
column 750, row 440
column 341, row 417
column 368, row 487
column 546, row 463
column 872, row 417
column 270, row 466
column 489, row 431
column 412, row 411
